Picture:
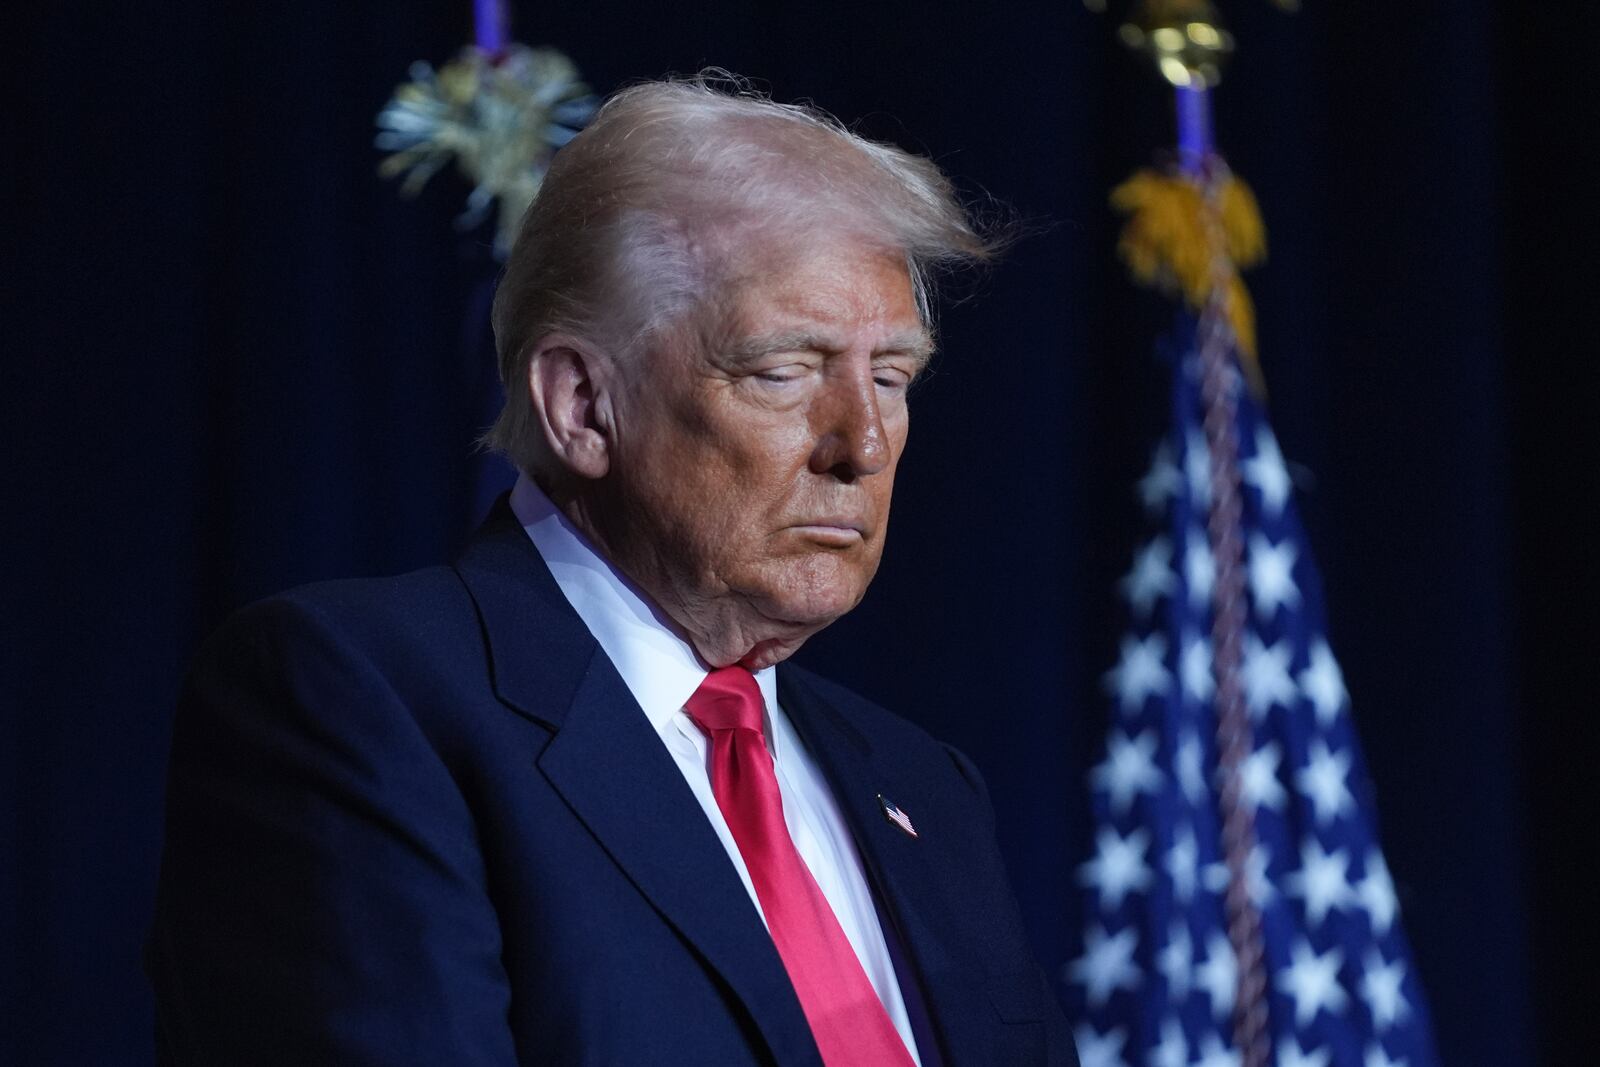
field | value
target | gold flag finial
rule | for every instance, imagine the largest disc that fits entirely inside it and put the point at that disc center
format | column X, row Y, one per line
column 1184, row 38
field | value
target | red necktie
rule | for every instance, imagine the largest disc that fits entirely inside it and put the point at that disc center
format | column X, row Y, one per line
column 847, row 1018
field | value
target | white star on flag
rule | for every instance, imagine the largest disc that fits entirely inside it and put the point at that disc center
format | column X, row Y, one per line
column 1151, row 577
column 1322, row 781
column 1194, row 669
column 1323, row 684
column 1321, row 881
column 1161, row 483
column 1106, row 965
column 1313, row 982
column 1271, row 569
column 1380, row 988
column 1266, row 471
column 1290, row 1055
column 1199, row 569
column 1100, row 1050
column 1376, row 1057
column 1213, row 1053
column 1183, row 864
column 1118, row 866
column 1258, row 778
column 1265, row 675
column 1176, row 961
column 1375, row 891
column 1218, row 976
column 1128, row 770
column 1173, row 1050
column 1140, row 673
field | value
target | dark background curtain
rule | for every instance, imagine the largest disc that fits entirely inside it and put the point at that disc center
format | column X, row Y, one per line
column 236, row 361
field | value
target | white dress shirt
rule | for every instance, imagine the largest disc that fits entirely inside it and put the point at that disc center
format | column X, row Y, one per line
column 662, row 671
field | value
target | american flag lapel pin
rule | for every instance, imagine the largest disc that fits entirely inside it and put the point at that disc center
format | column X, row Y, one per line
column 892, row 812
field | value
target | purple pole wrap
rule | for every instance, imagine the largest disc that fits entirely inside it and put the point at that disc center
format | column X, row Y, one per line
column 1194, row 128
column 489, row 25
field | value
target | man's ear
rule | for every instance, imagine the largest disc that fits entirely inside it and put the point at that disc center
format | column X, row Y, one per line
column 567, row 383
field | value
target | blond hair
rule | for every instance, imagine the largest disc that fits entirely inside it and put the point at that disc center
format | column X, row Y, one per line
column 637, row 219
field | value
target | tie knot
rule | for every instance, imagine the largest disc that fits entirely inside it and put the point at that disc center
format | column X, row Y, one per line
column 729, row 699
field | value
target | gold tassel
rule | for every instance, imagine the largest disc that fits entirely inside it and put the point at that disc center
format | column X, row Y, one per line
column 1165, row 246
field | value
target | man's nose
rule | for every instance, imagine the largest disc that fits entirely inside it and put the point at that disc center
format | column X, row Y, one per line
column 848, row 423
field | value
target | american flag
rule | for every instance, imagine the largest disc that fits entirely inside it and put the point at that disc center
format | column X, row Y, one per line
column 1155, row 980
column 893, row 813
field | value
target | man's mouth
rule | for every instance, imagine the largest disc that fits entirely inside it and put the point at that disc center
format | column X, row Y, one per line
column 835, row 532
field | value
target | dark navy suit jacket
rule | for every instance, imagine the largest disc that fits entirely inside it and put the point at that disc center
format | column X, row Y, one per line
column 421, row 820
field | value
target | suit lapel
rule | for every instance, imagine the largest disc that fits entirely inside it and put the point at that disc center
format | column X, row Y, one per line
column 909, row 873
column 609, row 765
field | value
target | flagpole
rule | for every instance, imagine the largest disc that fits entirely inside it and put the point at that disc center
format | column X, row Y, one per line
column 1189, row 45
column 1220, row 383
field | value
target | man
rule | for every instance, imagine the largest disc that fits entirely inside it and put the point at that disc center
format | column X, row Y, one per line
column 554, row 804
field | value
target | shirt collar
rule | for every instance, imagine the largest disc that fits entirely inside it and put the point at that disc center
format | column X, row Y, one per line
column 660, row 668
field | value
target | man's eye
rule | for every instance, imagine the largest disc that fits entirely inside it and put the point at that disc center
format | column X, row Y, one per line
column 786, row 373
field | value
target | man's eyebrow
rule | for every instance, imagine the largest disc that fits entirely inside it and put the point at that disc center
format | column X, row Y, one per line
column 792, row 341
column 916, row 344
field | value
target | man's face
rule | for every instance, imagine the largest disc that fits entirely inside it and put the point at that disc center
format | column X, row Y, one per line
column 755, row 456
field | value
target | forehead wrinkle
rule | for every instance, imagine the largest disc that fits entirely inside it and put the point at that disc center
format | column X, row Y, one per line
column 822, row 296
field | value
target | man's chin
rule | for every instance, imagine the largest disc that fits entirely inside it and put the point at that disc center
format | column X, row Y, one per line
column 775, row 611
column 809, row 608
column 787, row 625
column 772, row 651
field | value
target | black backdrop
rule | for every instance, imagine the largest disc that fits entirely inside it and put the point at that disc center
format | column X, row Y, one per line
column 235, row 361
